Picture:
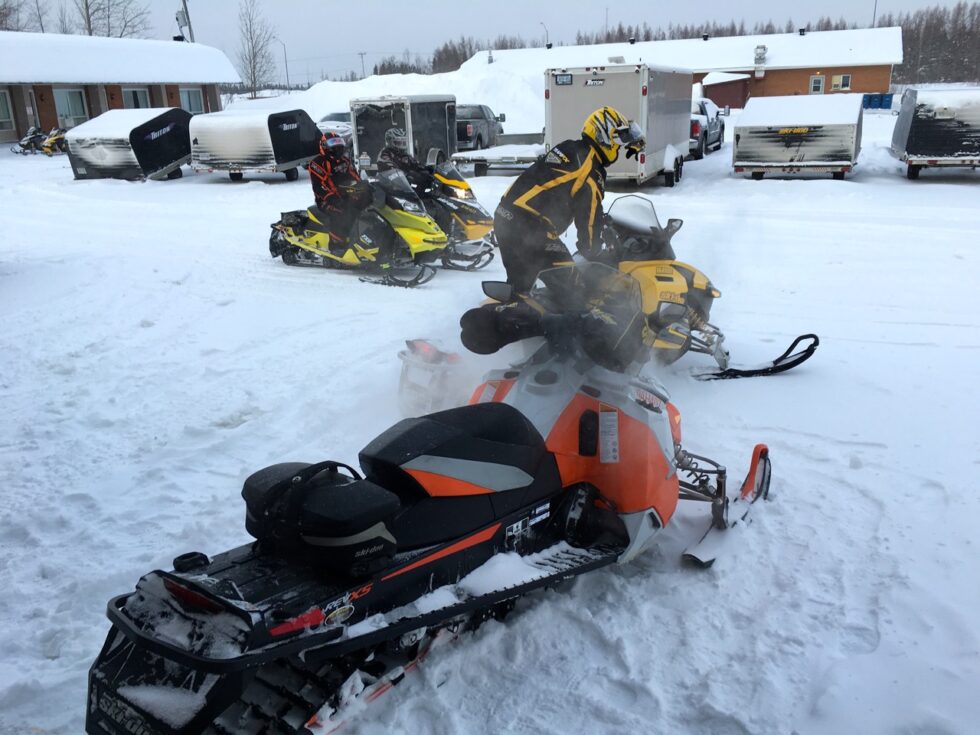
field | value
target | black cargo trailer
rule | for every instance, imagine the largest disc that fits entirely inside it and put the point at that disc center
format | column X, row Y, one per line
column 938, row 127
column 428, row 120
column 239, row 141
column 148, row 143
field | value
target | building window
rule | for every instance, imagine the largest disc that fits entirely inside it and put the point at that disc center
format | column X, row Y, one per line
column 192, row 100
column 71, row 108
column 816, row 84
column 6, row 115
column 840, row 81
column 137, row 97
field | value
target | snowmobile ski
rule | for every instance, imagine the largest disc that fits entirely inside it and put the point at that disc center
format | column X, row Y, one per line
column 798, row 352
column 735, row 512
column 456, row 258
column 403, row 277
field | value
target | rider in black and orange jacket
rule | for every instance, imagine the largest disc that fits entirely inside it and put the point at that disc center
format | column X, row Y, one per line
column 337, row 189
column 565, row 185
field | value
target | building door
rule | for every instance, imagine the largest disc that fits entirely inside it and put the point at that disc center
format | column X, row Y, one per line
column 6, row 112
column 816, row 84
column 71, row 107
column 136, row 97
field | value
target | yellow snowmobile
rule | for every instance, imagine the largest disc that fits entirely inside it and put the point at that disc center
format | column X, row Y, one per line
column 55, row 142
column 677, row 297
column 469, row 227
column 393, row 241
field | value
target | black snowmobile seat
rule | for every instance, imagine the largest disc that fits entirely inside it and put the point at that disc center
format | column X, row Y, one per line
column 458, row 470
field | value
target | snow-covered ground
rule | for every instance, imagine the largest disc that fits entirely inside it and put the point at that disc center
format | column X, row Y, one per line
column 153, row 355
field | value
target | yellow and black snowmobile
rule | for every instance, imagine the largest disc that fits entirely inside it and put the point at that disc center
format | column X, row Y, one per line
column 469, row 227
column 55, row 142
column 393, row 241
column 677, row 297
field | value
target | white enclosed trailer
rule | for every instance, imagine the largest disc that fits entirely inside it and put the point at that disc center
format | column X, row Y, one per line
column 237, row 141
column 658, row 99
column 429, row 122
column 806, row 133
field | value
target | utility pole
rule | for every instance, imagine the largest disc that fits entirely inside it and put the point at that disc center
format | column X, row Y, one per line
column 545, row 33
column 874, row 16
column 285, row 61
column 607, row 24
column 190, row 28
column 361, row 54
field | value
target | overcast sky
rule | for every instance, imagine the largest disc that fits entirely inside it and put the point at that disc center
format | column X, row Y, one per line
column 325, row 36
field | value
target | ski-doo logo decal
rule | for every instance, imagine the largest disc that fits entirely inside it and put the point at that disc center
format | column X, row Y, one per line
column 370, row 550
column 340, row 615
column 648, row 400
column 123, row 715
column 594, row 82
column 477, row 538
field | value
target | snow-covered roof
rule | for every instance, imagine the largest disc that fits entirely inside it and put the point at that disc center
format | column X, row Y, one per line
column 858, row 47
column 63, row 59
column 804, row 109
column 721, row 77
column 948, row 97
column 115, row 123
column 399, row 98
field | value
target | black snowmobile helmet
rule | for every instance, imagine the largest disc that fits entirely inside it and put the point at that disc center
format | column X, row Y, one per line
column 332, row 144
column 396, row 138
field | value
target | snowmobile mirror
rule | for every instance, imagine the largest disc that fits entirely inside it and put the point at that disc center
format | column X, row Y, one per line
column 673, row 225
column 498, row 290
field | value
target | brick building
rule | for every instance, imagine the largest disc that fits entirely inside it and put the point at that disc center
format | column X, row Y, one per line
column 49, row 79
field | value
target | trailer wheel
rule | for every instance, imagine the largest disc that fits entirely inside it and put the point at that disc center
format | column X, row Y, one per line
column 480, row 169
column 175, row 174
column 292, row 174
column 669, row 178
column 913, row 172
column 757, row 175
column 236, row 175
column 838, row 175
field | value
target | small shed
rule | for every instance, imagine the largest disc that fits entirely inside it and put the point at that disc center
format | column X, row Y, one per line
column 237, row 141
column 815, row 134
column 134, row 144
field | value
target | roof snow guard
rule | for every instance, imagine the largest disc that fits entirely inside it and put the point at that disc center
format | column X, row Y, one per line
column 30, row 58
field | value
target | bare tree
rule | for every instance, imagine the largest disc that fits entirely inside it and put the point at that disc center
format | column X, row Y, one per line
column 255, row 60
column 65, row 23
column 119, row 18
column 15, row 16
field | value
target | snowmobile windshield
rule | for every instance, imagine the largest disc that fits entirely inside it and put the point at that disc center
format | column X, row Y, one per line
column 452, row 181
column 395, row 185
column 635, row 213
column 602, row 307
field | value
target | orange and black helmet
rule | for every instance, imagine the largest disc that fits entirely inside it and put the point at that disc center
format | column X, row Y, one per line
column 332, row 144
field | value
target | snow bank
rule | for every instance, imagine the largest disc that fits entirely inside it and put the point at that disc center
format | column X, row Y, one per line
column 721, row 77
column 812, row 109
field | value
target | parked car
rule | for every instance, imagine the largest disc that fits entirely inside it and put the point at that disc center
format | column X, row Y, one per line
column 337, row 122
column 477, row 127
column 707, row 127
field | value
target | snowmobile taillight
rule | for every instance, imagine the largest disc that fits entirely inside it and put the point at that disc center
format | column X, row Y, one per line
column 675, row 422
column 190, row 598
